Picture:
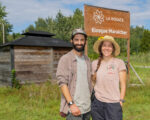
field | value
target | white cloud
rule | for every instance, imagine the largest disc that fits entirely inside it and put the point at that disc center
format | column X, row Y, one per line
column 75, row 1
column 20, row 11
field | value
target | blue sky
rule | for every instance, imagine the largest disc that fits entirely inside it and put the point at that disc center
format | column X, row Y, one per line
column 22, row 13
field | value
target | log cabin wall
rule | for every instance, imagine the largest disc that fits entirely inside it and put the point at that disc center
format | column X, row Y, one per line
column 37, row 64
column 5, row 66
column 33, row 64
column 57, row 53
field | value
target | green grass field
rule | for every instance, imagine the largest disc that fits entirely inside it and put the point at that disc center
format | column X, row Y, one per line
column 41, row 102
column 31, row 102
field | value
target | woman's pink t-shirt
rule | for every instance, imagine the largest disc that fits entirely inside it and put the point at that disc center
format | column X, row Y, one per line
column 107, row 80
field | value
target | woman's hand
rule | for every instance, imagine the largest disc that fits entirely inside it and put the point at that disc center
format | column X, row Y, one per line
column 121, row 103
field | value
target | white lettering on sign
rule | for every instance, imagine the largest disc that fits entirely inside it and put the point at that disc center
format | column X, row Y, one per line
column 102, row 31
column 99, row 18
column 111, row 31
column 117, row 32
column 115, row 19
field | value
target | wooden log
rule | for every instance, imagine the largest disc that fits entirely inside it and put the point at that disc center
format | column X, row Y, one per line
column 5, row 66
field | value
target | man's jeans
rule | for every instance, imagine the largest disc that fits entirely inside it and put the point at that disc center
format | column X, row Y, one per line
column 85, row 116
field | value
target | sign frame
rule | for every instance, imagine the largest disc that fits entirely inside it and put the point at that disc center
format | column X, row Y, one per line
column 100, row 21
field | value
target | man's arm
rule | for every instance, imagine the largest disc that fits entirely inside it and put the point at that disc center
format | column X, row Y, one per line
column 74, row 109
column 66, row 93
column 62, row 77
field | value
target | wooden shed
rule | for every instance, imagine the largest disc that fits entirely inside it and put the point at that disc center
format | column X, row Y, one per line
column 34, row 57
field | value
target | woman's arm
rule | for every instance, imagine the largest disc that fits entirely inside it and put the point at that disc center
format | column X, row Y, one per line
column 122, row 76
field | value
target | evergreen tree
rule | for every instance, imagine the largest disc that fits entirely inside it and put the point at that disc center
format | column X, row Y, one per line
column 145, row 42
column 136, row 35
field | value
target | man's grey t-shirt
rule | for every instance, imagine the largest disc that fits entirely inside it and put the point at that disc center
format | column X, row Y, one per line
column 82, row 91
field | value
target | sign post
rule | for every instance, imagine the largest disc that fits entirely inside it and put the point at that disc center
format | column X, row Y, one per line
column 100, row 21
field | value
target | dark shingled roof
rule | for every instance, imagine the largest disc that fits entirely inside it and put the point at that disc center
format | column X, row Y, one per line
column 41, row 38
column 39, row 33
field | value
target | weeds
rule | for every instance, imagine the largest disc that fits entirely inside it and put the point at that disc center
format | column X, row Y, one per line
column 15, row 82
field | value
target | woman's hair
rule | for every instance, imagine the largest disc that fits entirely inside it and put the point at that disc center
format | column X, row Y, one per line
column 98, row 64
column 94, row 75
column 99, row 61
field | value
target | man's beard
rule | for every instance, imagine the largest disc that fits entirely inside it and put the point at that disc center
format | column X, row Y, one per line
column 81, row 49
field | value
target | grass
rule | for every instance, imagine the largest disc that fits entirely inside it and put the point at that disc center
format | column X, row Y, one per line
column 141, row 59
column 137, row 104
column 144, row 73
column 32, row 102
column 42, row 101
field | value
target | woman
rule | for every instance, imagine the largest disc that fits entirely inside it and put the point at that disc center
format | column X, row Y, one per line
column 108, row 72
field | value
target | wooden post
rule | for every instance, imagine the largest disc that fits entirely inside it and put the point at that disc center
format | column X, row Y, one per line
column 51, row 62
column 128, row 58
column 136, row 75
column 12, row 61
column 86, row 45
column 3, row 31
column 86, row 49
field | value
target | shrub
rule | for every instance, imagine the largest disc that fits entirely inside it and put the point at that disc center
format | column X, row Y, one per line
column 15, row 82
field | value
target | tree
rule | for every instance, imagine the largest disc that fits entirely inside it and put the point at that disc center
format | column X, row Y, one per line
column 50, row 24
column 14, row 36
column 135, row 38
column 30, row 28
column 78, row 19
column 7, row 25
column 41, row 24
column 145, row 42
column 62, row 25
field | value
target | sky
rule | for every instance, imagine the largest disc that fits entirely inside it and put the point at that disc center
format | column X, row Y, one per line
column 22, row 13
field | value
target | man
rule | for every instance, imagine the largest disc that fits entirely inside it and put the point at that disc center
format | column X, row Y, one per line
column 74, row 78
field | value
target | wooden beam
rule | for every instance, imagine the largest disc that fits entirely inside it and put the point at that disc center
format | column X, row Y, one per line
column 128, row 58
column 12, row 57
column 86, row 49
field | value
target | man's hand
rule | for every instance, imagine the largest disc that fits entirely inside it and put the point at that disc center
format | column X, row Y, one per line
column 75, row 110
